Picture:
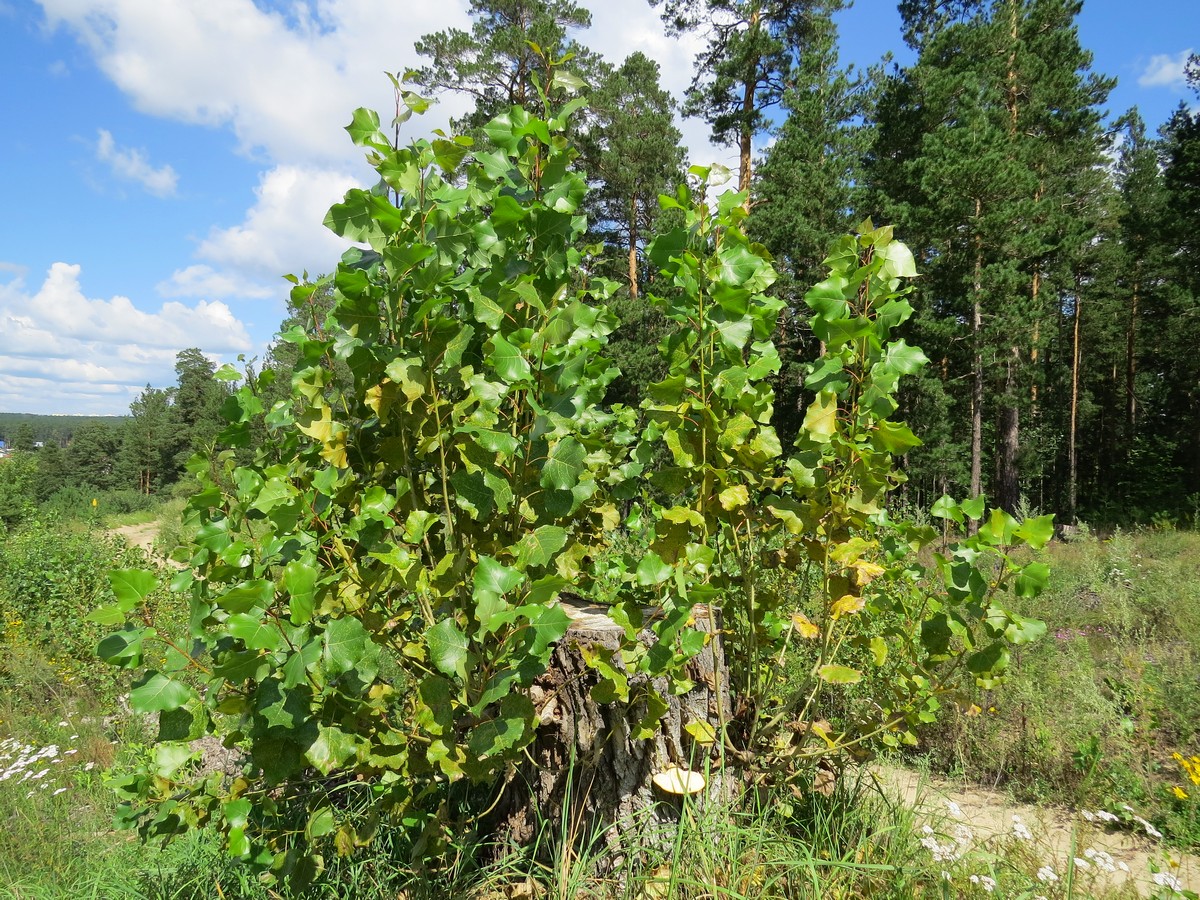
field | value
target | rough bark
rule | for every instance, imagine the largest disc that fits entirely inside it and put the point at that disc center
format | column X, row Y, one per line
column 1131, row 359
column 977, row 365
column 586, row 783
column 1008, row 486
column 633, row 237
column 1072, row 473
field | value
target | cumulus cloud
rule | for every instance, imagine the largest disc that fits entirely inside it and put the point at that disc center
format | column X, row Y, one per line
column 1165, row 70
column 283, row 84
column 131, row 165
column 65, row 352
column 204, row 281
column 282, row 231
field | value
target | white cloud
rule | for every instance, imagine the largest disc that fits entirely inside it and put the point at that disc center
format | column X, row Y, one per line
column 204, row 281
column 132, row 165
column 285, row 87
column 1165, row 70
column 282, row 232
column 65, row 352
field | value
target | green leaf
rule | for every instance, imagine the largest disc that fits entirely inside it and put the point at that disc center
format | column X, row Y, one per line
column 1032, row 579
column 901, row 358
column 364, row 128
column 895, row 437
column 973, row 508
column 300, row 580
column 563, row 465
column 331, row 750
column 546, row 625
column 1036, row 532
column 990, row 661
column 345, row 645
column 131, row 586
column 491, row 575
column 247, row 596
column 820, row 419
column 946, row 508
column 652, row 570
column 156, row 693
column 900, row 262
column 448, row 648
column 505, row 730
column 540, row 546
column 254, row 632
column 507, row 360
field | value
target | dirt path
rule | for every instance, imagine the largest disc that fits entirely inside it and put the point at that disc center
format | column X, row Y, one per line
column 1058, row 834
column 139, row 535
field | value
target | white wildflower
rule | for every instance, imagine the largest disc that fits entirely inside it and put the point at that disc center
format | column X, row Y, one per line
column 1081, row 863
column 1167, row 880
column 1101, row 859
column 1045, row 873
column 988, row 884
column 955, row 809
column 962, row 835
column 1020, row 830
column 59, row 791
column 1150, row 829
column 945, row 875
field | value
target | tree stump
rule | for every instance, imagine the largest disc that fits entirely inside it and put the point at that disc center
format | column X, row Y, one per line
column 585, row 781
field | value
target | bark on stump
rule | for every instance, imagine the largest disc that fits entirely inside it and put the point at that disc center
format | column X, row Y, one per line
column 585, row 779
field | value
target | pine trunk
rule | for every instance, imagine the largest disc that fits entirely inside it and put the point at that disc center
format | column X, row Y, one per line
column 977, row 367
column 585, row 778
column 1072, row 469
column 1008, row 487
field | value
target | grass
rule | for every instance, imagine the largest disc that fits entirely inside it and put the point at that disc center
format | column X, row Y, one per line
column 1090, row 718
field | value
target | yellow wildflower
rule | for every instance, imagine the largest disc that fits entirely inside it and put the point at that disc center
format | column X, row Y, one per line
column 1179, row 792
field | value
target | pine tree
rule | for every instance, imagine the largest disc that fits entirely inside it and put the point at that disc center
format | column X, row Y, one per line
column 508, row 48
column 632, row 150
column 981, row 149
column 743, row 71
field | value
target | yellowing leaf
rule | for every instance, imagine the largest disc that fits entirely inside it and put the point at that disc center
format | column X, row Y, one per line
column 679, row 781
column 839, row 675
column 847, row 605
column 703, row 732
column 734, row 497
column 806, row 628
column 820, row 421
column 866, row 572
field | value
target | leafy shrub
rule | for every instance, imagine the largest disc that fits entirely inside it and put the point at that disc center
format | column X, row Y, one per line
column 52, row 576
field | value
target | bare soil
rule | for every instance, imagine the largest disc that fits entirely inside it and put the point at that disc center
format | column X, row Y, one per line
column 139, row 535
column 1058, row 833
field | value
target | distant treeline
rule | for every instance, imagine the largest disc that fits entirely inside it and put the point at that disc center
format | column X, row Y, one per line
column 120, row 462
column 47, row 429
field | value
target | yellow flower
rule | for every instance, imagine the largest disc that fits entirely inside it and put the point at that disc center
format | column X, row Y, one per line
column 1179, row 792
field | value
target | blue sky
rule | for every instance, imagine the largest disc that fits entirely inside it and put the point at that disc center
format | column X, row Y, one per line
column 164, row 162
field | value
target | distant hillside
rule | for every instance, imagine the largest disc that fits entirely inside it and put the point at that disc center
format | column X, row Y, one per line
column 49, row 428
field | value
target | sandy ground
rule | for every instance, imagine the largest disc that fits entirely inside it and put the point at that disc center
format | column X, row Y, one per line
column 139, row 535
column 1058, row 833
